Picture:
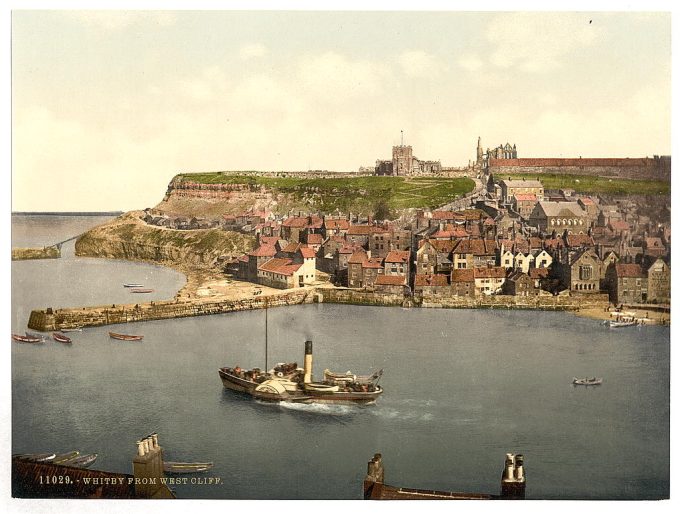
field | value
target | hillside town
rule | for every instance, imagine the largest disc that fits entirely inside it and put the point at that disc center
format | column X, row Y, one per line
column 515, row 238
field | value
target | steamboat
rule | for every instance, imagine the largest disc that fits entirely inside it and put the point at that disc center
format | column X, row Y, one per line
column 286, row 382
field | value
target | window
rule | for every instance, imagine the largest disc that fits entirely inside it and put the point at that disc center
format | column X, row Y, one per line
column 585, row 272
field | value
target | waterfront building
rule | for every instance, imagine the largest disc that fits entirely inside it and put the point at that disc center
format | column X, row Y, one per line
column 474, row 253
column 580, row 271
column 390, row 284
column 659, row 282
column 463, row 282
column 397, row 263
column 432, row 284
column 627, row 283
column 519, row 283
column 489, row 280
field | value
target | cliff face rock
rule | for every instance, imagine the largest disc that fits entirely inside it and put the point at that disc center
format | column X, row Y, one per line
column 128, row 237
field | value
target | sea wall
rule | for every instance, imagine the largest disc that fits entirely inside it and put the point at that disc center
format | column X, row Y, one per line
column 22, row 254
column 49, row 319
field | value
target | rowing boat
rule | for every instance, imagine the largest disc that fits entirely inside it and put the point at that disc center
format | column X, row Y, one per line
column 125, row 337
column 81, row 461
column 587, row 381
column 133, row 285
column 34, row 335
column 186, row 467
column 61, row 338
column 63, row 457
column 27, row 339
column 141, row 290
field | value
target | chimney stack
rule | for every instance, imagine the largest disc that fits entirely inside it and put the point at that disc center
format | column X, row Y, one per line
column 147, row 467
column 513, row 481
column 375, row 477
column 308, row 362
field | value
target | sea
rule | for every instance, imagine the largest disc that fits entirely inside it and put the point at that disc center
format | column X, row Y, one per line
column 461, row 389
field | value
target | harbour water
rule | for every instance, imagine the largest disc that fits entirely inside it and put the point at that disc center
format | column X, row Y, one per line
column 462, row 388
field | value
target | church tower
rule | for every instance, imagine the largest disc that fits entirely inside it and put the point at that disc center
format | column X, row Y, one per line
column 480, row 152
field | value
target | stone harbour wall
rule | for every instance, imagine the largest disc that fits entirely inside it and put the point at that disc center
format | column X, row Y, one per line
column 46, row 320
column 23, row 254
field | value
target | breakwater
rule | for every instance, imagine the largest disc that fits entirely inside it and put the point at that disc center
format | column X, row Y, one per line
column 47, row 252
column 50, row 319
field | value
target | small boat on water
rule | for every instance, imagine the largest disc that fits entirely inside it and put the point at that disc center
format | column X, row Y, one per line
column 141, row 290
column 63, row 457
column 27, row 339
column 61, row 338
column 35, row 335
column 125, row 337
column 133, row 285
column 36, row 457
column 186, row 467
column 286, row 382
column 80, row 461
column 587, row 381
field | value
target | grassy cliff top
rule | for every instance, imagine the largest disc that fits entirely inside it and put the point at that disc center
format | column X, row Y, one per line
column 594, row 185
column 351, row 193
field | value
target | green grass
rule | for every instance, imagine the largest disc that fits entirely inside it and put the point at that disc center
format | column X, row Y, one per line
column 359, row 194
column 595, row 185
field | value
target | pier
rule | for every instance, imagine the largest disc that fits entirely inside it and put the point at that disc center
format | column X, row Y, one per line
column 50, row 319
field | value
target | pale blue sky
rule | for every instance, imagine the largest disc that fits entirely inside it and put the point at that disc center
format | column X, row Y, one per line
column 108, row 106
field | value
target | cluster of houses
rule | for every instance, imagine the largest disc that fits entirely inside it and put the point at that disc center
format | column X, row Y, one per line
column 518, row 239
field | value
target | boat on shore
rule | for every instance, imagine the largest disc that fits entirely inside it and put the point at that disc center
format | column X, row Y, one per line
column 186, row 467
column 587, row 381
column 141, row 290
column 74, row 329
column 27, row 339
column 125, row 337
column 133, row 285
column 622, row 324
column 286, row 382
column 61, row 338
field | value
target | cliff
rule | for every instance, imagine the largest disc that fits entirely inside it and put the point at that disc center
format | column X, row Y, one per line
column 128, row 237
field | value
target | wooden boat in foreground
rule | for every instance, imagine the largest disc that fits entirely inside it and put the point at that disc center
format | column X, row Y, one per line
column 587, row 381
column 80, row 461
column 141, row 290
column 63, row 457
column 27, row 339
column 37, row 457
column 125, row 337
column 186, row 467
column 286, row 382
column 61, row 338
column 622, row 324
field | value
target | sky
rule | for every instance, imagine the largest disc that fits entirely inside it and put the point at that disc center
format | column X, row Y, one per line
column 107, row 106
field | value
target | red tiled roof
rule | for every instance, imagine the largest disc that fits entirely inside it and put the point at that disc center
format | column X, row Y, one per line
column 373, row 262
column 314, row 239
column 629, row 270
column 295, row 222
column 280, row 266
column 573, row 240
column 495, row 272
column 539, row 273
column 525, row 197
column 587, row 201
column 360, row 230
column 654, row 242
column 340, row 224
column 307, row 253
column 476, row 246
column 268, row 240
column 358, row 257
column 390, row 280
column 445, row 215
column 432, row 280
column 462, row 275
column 619, row 225
column 457, row 232
column 398, row 256
column 263, row 250
column 292, row 247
